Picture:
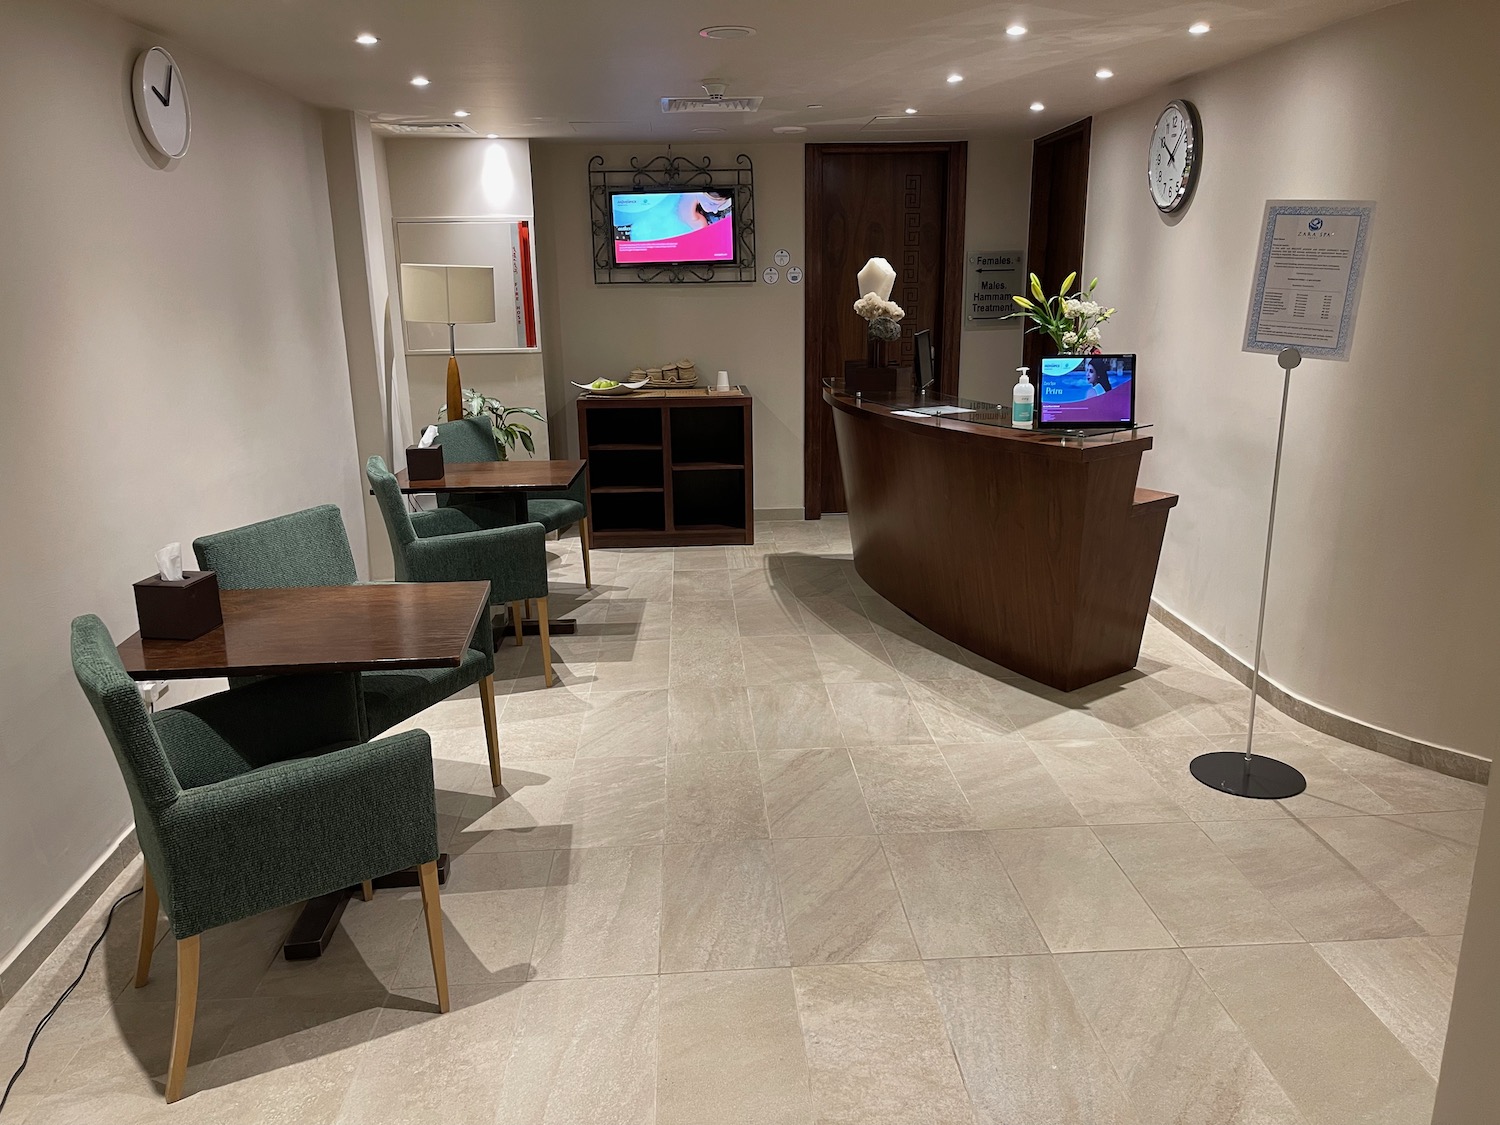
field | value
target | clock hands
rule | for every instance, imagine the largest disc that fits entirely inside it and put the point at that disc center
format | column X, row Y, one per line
column 166, row 99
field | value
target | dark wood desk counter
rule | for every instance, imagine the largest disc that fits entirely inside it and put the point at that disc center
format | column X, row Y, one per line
column 315, row 629
column 1034, row 552
column 497, row 476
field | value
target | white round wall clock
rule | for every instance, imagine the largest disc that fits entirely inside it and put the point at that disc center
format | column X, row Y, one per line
column 161, row 102
column 1172, row 162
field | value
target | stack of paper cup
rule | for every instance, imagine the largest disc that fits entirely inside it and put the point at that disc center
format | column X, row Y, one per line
column 723, row 383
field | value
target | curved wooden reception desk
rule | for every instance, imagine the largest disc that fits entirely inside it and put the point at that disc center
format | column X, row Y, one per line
column 1034, row 552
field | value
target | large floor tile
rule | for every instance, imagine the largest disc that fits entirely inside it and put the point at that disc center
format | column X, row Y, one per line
column 1026, row 1051
column 1181, row 1058
column 910, row 789
column 958, row 899
column 961, row 710
column 857, row 658
column 1042, row 714
column 624, row 724
column 732, row 1051
column 527, row 814
column 778, row 660
column 794, row 717
column 1334, row 1058
column 1076, row 893
column 601, row 913
column 1405, row 787
column 877, row 714
column 813, row 793
column 714, row 797
column 632, row 666
column 1130, row 707
column 709, row 719
column 1167, row 760
column 1309, row 883
column 877, row 1048
column 1407, row 982
column 1196, row 892
column 1007, row 786
column 839, row 901
column 721, row 908
column 835, row 615
column 585, row 1051
column 1424, row 873
column 1105, row 784
column 614, row 802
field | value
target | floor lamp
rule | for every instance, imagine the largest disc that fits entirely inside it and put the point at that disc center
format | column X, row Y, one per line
column 449, row 295
column 1245, row 775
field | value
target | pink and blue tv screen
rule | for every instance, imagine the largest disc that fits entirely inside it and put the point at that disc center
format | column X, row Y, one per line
column 673, row 227
column 1087, row 390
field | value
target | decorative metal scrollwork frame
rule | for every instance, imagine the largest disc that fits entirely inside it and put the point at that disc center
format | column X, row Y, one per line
column 673, row 172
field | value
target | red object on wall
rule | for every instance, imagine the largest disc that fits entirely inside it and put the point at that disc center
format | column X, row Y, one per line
column 528, row 301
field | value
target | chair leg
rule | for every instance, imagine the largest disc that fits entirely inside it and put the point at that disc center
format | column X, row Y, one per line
column 187, row 1008
column 432, row 908
column 367, row 890
column 149, row 906
column 583, row 534
column 544, row 627
column 528, row 609
column 491, row 737
column 515, row 615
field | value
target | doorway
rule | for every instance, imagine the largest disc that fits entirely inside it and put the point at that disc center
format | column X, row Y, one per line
column 1059, row 202
column 901, row 202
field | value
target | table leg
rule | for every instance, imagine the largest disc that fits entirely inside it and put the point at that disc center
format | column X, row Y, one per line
column 319, row 920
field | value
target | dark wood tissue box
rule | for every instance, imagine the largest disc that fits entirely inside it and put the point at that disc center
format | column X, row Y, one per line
column 178, row 611
column 424, row 463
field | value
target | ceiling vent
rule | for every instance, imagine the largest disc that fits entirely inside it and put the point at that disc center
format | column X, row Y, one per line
column 424, row 128
column 715, row 101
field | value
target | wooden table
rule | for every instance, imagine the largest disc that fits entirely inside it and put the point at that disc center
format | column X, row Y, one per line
column 514, row 479
column 317, row 630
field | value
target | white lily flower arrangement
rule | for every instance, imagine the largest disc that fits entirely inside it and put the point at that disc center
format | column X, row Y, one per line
column 1072, row 321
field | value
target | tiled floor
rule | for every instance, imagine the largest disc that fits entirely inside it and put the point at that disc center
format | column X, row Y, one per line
column 773, row 853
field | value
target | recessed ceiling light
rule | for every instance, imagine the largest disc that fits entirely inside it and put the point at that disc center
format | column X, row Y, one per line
column 1199, row 28
column 786, row 129
column 727, row 31
column 365, row 39
column 460, row 113
column 419, row 81
column 707, row 129
column 1104, row 72
column 910, row 110
column 955, row 79
column 816, row 105
column 1037, row 107
column 1016, row 30
column 492, row 136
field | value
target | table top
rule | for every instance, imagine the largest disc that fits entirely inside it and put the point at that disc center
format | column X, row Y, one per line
column 310, row 629
column 497, row 476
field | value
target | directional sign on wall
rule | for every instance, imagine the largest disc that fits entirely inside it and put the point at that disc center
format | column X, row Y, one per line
column 994, row 277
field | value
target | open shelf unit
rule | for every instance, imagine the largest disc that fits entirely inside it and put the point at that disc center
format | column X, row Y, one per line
column 669, row 468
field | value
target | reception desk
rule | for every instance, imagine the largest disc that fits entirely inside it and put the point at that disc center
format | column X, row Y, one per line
column 1036, row 552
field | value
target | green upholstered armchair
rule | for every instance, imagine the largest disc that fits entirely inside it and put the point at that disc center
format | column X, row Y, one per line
column 473, row 439
column 447, row 546
column 311, row 548
column 256, row 798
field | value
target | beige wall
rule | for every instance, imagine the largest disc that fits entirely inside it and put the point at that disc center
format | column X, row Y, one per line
column 753, row 331
column 1384, row 601
column 173, row 364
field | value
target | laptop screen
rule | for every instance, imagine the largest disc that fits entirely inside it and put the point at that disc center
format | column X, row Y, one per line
column 1087, row 390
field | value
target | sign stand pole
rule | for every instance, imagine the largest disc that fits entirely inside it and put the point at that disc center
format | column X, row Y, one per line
column 1245, row 775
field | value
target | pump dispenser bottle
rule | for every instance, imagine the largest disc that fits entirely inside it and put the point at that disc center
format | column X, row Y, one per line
column 1023, row 402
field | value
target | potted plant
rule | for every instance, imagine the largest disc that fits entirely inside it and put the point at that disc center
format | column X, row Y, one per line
column 508, row 433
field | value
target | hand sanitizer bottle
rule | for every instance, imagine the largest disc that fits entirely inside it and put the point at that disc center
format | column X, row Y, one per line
column 1022, row 402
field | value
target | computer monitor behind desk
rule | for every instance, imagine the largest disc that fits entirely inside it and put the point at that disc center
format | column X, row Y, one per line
column 923, row 369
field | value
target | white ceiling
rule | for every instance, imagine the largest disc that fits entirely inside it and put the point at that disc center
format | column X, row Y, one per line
column 595, row 69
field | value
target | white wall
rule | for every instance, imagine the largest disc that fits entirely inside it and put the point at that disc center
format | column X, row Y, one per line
column 999, row 214
column 460, row 178
column 173, row 364
column 1384, row 600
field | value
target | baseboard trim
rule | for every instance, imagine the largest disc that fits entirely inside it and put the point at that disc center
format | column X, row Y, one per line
column 50, row 934
column 1443, row 759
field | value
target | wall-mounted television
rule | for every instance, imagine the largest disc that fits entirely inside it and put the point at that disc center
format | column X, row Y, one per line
column 672, row 227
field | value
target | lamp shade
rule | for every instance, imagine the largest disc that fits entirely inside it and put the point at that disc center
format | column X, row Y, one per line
column 448, row 294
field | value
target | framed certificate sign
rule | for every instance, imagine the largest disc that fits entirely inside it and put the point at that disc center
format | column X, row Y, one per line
column 1307, row 277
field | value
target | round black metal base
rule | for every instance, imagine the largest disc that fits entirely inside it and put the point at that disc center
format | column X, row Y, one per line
column 1262, row 779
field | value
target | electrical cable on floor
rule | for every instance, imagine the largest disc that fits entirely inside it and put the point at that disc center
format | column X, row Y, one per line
column 26, row 1058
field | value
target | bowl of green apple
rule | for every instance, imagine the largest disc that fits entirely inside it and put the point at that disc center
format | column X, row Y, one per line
column 609, row 387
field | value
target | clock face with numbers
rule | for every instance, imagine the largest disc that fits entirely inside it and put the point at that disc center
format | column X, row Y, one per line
column 1172, row 163
column 161, row 102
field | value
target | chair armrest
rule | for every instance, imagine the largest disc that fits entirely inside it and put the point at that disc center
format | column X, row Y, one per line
column 279, row 717
column 512, row 559
column 442, row 521
column 297, row 829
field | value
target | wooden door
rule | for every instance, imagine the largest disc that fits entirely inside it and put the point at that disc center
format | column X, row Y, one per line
column 1059, row 202
column 901, row 202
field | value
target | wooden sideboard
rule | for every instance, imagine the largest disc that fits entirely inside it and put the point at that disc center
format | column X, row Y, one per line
column 669, row 468
column 1034, row 552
